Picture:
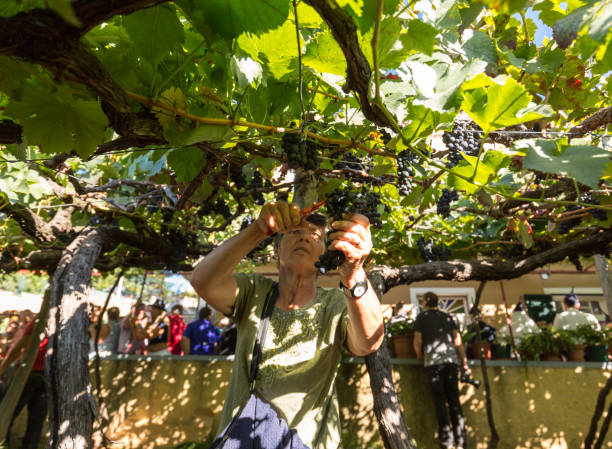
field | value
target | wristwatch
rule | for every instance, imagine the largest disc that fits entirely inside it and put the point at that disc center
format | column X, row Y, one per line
column 358, row 290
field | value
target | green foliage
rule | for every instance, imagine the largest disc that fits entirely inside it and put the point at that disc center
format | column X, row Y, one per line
column 547, row 341
column 400, row 325
column 225, row 81
column 586, row 335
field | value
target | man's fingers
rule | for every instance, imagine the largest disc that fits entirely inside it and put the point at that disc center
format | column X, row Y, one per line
column 296, row 214
column 357, row 228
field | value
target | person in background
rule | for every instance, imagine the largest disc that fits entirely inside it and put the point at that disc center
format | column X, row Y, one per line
column 158, row 330
column 34, row 394
column 227, row 340
column 522, row 325
column 437, row 341
column 573, row 317
column 108, row 340
column 177, row 327
column 487, row 332
column 131, row 332
column 199, row 337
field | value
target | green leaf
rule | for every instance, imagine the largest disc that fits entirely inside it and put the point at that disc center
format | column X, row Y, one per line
column 586, row 164
column 186, row 162
column 480, row 46
column 466, row 169
column 59, row 122
column 230, row 18
column 419, row 37
column 155, row 31
column 277, row 48
column 422, row 123
column 201, row 133
column 502, row 105
column 246, row 71
column 65, row 11
column 600, row 27
column 505, row 6
column 447, row 88
column 524, row 232
column 324, row 55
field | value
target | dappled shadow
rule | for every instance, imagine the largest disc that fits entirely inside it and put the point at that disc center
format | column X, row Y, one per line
column 156, row 403
column 539, row 405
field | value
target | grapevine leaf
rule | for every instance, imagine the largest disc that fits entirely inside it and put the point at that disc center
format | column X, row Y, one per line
column 585, row 163
column 524, row 233
column 480, row 46
column 186, row 162
column 422, row 122
column 422, row 76
column 447, row 88
column 65, row 11
column 502, row 105
column 277, row 48
column 464, row 170
column 247, row 71
column 202, row 133
column 230, row 18
column 420, row 37
column 505, row 6
column 323, row 54
column 155, row 31
column 59, row 122
column 601, row 25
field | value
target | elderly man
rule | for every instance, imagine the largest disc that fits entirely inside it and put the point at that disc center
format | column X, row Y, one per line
column 309, row 327
column 573, row 317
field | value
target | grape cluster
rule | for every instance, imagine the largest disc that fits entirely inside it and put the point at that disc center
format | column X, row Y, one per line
column 430, row 252
column 567, row 225
column 443, row 204
column 362, row 201
column 257, row 183
column 235, row 175
column 301, row 152
column 599, row 214
column 575, row 259
column 220, row 207
column 354, row 164
column 461, row 140
column 405, row 171
column 343, row 201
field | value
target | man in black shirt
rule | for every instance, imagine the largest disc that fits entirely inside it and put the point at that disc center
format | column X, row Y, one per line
column 438, row 342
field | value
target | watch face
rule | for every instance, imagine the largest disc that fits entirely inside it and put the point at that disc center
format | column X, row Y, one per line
column 359, row 290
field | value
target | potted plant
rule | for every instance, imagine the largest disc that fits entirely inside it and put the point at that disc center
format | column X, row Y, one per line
column 401, row 330
column 532, row 346
column 554, row 343
column 595, row 343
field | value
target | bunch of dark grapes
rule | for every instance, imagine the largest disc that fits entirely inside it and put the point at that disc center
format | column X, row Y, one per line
column 235, row 175
column 443, row 205
column 220, row 207
column 385, row 136
column 575, row 259
column 362, row 201
column 405, row 171
column 567, row 225
column 354, row 165
column 257, row 183
column 344, row 201
column 301, row 152
column 430, row 252
column 599, row 214
column 461, row 139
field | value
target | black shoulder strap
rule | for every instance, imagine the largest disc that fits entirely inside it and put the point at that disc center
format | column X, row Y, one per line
column 261, row 334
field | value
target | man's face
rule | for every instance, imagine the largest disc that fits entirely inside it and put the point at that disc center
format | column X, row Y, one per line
column 300, row 249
